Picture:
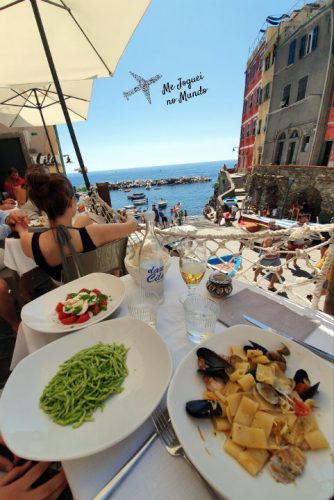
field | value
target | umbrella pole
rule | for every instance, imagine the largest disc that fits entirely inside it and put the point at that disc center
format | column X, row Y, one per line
column 46, row 129
column 59, row 90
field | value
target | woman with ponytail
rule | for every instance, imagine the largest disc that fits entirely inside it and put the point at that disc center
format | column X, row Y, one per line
column 54, row 195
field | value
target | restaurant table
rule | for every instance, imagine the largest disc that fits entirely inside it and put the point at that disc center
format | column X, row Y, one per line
column 15, row 259
column 157, row 476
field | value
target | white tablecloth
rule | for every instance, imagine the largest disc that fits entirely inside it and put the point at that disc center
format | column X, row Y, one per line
column 15, row 258
column 157, row 476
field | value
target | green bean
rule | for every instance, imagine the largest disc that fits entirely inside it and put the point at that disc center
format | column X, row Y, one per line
column 83, row 383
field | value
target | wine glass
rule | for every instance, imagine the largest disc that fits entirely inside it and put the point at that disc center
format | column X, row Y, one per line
column 192, row 264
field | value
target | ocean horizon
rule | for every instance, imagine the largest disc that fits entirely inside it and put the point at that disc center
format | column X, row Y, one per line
column 192, row 196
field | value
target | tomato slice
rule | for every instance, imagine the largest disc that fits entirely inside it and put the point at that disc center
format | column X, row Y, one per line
column 84, row 290
column 62, row 315
column 69, row 320
column 83, row 318
column 59, row 307
column 301, row 409
column 96, row 309
column 95, row 290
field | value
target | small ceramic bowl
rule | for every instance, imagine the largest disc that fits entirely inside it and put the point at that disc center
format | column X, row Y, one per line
column 219, row 285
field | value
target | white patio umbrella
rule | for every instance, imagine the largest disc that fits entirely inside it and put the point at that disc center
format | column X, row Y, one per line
column 44, row 40
column 38, row 105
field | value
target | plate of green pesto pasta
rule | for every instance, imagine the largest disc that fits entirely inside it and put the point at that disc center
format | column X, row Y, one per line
column 86, row 392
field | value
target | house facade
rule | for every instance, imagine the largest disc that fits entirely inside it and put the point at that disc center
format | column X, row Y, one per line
column 302, row 88
column 252, row 99
column 328, row 147
column 269, row 55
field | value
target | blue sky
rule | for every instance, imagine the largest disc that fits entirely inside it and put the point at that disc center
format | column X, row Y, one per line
column 178, row 39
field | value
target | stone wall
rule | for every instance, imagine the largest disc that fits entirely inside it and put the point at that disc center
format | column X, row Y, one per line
column 281, row 185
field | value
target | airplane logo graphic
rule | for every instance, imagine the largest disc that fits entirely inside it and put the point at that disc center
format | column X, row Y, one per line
column 143, row 86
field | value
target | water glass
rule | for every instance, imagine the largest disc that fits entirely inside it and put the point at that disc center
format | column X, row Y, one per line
column 143, row 305
column 201, row 315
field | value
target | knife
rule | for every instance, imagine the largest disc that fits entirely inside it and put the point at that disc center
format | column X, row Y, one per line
column 110, row 487
column 315, row 350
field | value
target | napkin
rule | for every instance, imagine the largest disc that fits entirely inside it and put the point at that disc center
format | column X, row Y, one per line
column 272, row 313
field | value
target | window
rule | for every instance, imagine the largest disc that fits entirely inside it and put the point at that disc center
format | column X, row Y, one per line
column 292, row 52
column 315, row 32
column 265, row 126
column 274, row 54
column 254, row 127
column 279, row 148
column 267, row 62
column 251, row 101
column 258, row 96
column 245, row 107
column 259, row 124
column 247, row 77
column 305, row 144
column 266, row 92
column 302, row 84
column 286, row 96
column 253, row 71
column 242, row 134
column 302, row 46
column 308, row 42
column 294, row 134
column 260, row 61
column 248, row 130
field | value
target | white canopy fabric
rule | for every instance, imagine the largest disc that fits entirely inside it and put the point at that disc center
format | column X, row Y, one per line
column 19, row 104
column 86, row 38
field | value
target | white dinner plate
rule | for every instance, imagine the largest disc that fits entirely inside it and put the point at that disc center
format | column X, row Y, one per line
column 30, row 433
column 205, row 449
column 40, row 315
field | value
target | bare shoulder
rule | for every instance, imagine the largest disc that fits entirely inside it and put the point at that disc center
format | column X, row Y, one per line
column 82, row 221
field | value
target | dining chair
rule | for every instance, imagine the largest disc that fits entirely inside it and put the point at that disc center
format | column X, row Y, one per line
column 108, row 258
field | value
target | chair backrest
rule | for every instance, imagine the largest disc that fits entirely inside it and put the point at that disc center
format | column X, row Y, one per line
column 108, row 258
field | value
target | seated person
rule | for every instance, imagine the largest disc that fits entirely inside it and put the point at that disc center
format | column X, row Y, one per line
column 7, row 203
column 13, row 180
column 54, row 195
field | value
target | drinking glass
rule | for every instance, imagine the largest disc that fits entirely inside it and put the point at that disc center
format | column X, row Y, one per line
column 193, row 260
column 201, row 315
column 143, row 305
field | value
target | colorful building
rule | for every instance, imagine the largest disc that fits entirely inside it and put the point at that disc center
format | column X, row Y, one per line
column 269, row 55
column 328, row 147
column 302, row 88
column 252, row 98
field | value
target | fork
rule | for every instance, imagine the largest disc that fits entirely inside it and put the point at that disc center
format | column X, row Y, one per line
column 165, row 431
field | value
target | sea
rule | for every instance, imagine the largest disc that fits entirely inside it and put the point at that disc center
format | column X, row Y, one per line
column 192, row 196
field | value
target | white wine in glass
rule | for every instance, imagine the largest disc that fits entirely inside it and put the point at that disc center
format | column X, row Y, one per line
column 192, row 263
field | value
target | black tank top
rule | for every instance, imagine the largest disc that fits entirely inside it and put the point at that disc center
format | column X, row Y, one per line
column 55, row 271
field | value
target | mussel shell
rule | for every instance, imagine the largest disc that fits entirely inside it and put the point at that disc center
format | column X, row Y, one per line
column 212, row 359
column 301, row 376
column 284, row 350
column 268, row 393
column 254, row 345
column 204, row 408
column 310, row 392
column 215, row 365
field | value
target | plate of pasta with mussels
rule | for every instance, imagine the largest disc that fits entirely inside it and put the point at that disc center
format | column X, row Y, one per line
column 84, row 393
column 254, row 413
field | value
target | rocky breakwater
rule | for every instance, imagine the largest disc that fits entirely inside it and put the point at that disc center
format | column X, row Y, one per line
column 158, row 182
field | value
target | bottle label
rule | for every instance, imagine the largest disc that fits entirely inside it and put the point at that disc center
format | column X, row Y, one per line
column 155, row 274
